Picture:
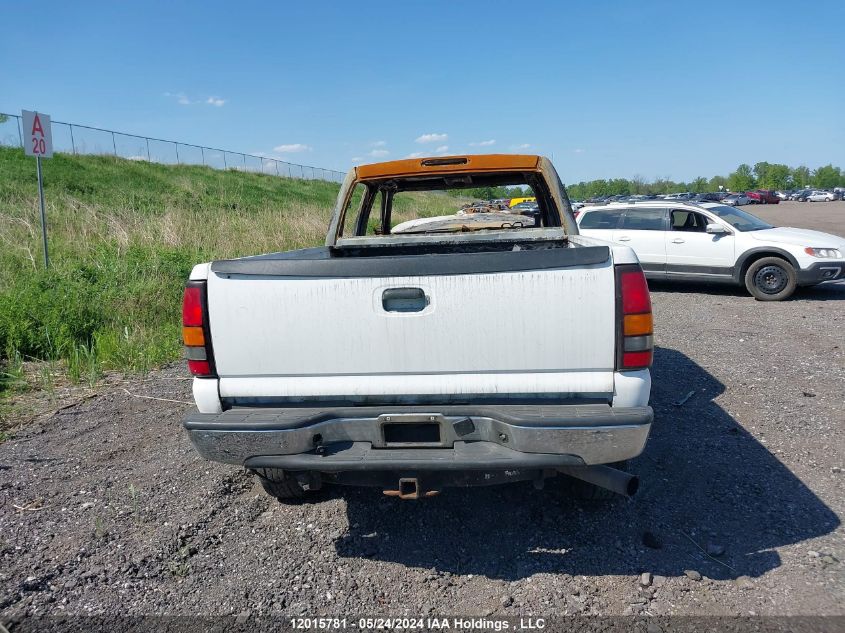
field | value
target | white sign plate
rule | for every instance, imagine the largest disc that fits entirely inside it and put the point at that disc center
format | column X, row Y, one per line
column 37, row 134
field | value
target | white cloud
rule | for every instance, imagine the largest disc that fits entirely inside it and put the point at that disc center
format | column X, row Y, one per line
column 522, row 146
column 378, row 143
column 442, row 148
column 357, row 159
column 183, row 99
column 415, row 155
column 292, row 148
column 432, row 138
column 483, row 143
column 578, row 150
column 378, row 153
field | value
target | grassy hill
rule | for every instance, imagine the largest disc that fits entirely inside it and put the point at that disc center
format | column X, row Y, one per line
column 123, row 238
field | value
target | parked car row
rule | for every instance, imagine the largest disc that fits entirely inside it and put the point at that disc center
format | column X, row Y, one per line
column 811, row 195
column 734, row 199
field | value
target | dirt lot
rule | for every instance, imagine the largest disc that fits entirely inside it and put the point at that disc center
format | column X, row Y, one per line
column 822, row 216
column 105, row 508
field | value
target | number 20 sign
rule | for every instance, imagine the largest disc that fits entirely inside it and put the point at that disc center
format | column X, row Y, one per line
column 37, row 134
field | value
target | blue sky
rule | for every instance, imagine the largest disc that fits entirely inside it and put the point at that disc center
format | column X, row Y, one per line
column 607, row 89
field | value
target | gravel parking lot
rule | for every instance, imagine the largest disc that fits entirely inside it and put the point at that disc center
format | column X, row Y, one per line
column 105, row 507
column 821, row 216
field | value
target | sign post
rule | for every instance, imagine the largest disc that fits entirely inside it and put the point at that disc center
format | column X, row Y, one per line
column 38, row 142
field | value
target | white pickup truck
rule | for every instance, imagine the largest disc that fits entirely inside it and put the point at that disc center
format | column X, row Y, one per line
column 424, row 347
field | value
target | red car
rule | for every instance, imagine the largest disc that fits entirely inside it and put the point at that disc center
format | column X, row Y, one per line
column 763, row 196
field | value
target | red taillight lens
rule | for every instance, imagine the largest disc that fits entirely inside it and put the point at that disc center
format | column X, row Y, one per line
column 635, row 343
column 199, row 367
column 195, row 330
column 636, row 360
column 192, row 306
column 635, row 297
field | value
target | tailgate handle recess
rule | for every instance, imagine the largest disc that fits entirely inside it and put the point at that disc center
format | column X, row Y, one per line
column 404, row 300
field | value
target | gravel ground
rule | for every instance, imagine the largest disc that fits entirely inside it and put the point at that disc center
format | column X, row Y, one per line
column 105, row 507
column 821, row 216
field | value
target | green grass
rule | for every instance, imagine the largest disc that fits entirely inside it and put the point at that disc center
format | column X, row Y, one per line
column 123, row 237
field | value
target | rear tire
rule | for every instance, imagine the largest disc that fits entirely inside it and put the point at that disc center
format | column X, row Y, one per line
column 771, row 279
column 279, row 484
column 584, row 491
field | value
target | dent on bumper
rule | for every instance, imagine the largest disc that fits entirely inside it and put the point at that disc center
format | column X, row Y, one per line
column 470, row 437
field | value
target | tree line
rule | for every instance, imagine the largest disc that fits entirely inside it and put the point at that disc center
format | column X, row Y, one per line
column 762, row 175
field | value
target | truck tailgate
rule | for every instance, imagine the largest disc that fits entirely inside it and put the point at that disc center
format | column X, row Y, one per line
column 548, row 330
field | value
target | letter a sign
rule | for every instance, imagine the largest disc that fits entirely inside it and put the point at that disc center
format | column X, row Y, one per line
column 37, row 134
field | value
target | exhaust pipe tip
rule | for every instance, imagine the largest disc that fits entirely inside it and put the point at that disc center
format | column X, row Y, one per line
column 612, row 479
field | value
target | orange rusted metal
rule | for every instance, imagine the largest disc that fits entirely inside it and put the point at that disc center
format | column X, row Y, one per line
column 425, row 495
column 409, row 488
column 473, row 163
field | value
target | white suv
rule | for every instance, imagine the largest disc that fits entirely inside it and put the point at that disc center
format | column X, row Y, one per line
column 714, row 242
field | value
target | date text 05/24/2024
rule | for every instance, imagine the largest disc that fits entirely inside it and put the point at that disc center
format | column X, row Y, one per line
column 410, row 623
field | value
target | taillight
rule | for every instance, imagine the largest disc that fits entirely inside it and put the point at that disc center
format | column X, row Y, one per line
column 635, row 340
column 195, row 334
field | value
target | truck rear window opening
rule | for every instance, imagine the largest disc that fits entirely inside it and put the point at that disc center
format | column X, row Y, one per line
column 467, row 202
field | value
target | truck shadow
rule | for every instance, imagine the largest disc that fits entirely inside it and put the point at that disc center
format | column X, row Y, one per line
column 705, row 481
column 829, row 291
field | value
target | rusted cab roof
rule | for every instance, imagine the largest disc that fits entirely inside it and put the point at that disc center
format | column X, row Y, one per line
column 448, row 165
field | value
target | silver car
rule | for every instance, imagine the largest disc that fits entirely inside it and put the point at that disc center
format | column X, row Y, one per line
column 736, row 200
column 821, row 196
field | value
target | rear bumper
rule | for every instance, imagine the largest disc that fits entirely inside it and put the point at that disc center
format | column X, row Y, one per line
column 832, row 270
column 466, row 437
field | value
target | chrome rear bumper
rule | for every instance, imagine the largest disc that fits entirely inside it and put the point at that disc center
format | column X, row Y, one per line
column 466, row 437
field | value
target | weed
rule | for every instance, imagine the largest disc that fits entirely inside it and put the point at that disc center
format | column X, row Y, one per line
column 179, row 565
column 100, row 530
column 12, row 375
column 136, row 506
column 180, row 569
column 84, row 365
column 46, row 382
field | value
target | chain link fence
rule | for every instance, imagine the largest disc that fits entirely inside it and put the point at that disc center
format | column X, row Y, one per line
column 73, row 138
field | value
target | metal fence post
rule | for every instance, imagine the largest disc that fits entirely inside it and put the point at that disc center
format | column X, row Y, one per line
column 202, row 151
column 72, row 142
column 19, row 121
column 177, row 153
column 244, row 155
column 149, row 160
column 276, row 163
column 114, row 144
column 225, row 166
